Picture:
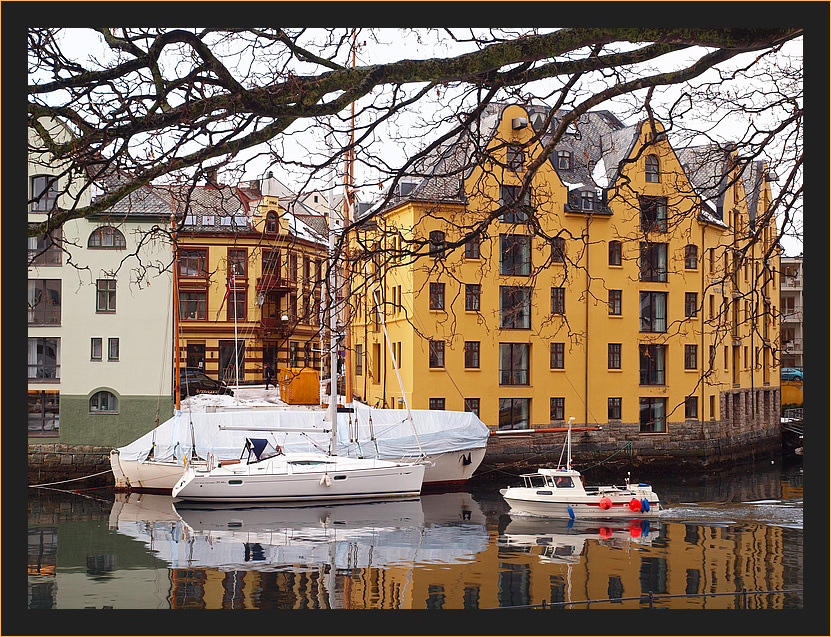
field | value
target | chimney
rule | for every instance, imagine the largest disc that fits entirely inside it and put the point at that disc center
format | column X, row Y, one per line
column 211, row 178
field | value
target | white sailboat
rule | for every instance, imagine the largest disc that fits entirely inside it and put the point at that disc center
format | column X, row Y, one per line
column 271, row 474
column 561, row 493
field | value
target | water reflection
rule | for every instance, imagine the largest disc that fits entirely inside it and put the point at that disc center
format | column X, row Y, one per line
column 446, row 550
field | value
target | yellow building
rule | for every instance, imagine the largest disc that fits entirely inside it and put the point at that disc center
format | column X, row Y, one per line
column 250, row 266
column 623, row 286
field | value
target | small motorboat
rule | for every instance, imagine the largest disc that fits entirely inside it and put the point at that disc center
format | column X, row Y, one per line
column 561, row 493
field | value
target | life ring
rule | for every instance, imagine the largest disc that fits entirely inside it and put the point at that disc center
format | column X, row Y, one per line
column 635, row 505
column 605, row 503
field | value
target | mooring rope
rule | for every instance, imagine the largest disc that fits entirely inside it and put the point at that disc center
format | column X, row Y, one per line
column 49, row 484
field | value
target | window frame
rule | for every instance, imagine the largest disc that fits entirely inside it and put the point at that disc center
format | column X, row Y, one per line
column 558, row 301
column 653, row 214
column 690, row 304
column 507, row 196
column 473, row 248
column 105, row 296
column 652, row 169
column 100, row 236
column 691, row 408
column 690, row 356
column 614, row 408
column 45, row 301
column 436, row 296
column 515, row 158
column 472, row 354
column 652, row 366
column 649, row 315
column 97, row 398
column 565, row 160
column 50, row 189
column 192, row 262
column 557, row 407
column 517, row 372
column 558, row 250
column 615, row 252
column 473, row 297
column 197, row 297
column 613, row 355
column 691, row 256
column 653, row 265
column 237, row 257
column 113, row 348
column 615, row 302
column 435, row 356
column 652, row 424
column 517, row 314
column 557, row 355
column 515, row 255
column 518, row 412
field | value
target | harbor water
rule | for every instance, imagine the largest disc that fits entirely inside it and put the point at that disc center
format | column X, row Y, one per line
column 720, row 533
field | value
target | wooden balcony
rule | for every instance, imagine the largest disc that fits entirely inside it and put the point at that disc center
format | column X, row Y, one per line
column 274, row 283
column 275, row 326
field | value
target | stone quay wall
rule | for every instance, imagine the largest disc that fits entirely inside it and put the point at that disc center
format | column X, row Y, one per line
column 56, row 462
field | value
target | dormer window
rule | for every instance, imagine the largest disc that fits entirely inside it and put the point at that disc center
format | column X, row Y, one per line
column 653, row 174
column 588, row 198
column 271, row 222
column 564, row 160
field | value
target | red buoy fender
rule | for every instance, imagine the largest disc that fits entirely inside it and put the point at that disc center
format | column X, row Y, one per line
column 635, row 505
column 605, row 503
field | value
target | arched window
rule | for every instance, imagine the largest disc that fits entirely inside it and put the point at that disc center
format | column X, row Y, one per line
column 103, row 402
column 106, row 237
column 271, row 222
column 652, row 169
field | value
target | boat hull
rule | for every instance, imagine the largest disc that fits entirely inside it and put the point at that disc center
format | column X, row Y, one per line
column 449, row 468
column 339, row 481
column 531, row 501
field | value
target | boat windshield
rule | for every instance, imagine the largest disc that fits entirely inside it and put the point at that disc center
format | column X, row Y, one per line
column 560, row 482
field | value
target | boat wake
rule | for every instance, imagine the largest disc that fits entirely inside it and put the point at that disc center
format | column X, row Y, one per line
column 784, row 513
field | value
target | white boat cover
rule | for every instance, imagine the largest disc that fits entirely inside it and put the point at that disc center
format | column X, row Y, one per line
column 367, row 432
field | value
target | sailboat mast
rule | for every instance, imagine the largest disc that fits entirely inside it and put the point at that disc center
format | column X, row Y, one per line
column 176, row 374
column 333, row 343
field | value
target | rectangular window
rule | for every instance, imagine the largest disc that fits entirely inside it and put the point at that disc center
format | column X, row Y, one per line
column 614, row 408
column 615, row 302
column 271, row 263
column 653, row 214
column 653, row 417
column 514, row 361
column 615, row 252
column 564, row 160
column 237, row 305
column 508, row 197
column 112, row 349
column 193, row 305
column 472, row 354
column 105, row 295
column 45, row 249
column 691, row 256
column 652, row 364
column 614, row 355
column 558, row 300
column 514, row 413
column 44, row 301
column 515, row 159
column 359, row 360
column 237, row 262
column 691, row 408
column 558, row 250
column 514, row 308
column 375, row 370
column 436, row 354
column 43, row 413
column 653, row 262
column 558, row 355
column 437, row 404
column 690, row 356
column 514, row 255
column 690, row 304
column 437, row 296
column 44, row 358
column 472, row 248
column 558, row 409
column 473, row 292
column 472, row 405
column 96, row 346
column 588, row 199
column 193, row 262
column 44, row 193
column 653, row 312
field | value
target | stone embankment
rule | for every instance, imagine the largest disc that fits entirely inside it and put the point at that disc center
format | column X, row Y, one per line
column 55, row 462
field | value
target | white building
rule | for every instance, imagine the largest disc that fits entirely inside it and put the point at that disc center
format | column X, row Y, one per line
column 99, row 312
column 791, row 304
